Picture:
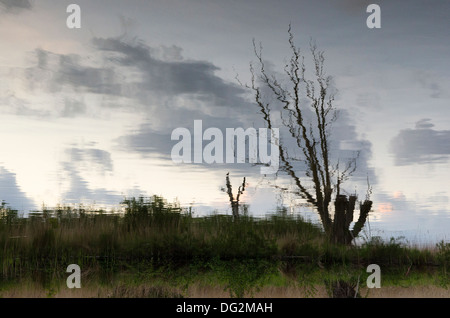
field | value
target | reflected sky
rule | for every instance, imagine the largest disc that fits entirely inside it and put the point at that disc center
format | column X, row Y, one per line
column 87, row 114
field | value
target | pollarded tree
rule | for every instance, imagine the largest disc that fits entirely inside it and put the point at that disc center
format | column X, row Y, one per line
column 305, row 106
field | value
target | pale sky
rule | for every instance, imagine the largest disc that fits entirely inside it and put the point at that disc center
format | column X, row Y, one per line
column 87, row 113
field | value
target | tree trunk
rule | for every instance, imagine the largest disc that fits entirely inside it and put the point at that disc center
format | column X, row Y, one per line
column 342, row 212
column 235, row 209
column 343, row 217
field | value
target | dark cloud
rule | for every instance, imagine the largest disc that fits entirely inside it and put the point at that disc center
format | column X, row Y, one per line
column 91, row 158
column 81, row 160
column 185, row 90
column 92, row 79
column 157, row 143
column 79, row 189
column 153, row 79
column 421, row 145
column 133, row 70
column 169, row 92
column 54, row 72
column 73, row 108
column 424, row 123
column 430, row 83
column 149, row 140
column 172, row 76
column 15, row 6
column 11, row 193
column 348, row 145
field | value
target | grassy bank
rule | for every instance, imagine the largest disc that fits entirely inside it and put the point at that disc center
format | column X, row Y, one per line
column 157, row 249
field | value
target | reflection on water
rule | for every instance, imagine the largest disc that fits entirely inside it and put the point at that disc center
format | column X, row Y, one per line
column 386, row 220
column 413, row 209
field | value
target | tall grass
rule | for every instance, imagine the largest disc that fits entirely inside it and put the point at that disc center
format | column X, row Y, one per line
column 150, row 230
column 152, row 234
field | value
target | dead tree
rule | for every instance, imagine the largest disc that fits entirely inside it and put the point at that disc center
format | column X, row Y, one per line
column 305, row 105
column 234, row 201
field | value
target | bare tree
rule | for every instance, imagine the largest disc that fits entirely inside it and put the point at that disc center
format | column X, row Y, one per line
column 306, row 109
column 234, row 201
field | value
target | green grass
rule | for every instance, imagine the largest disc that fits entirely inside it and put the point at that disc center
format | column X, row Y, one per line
column 155, row 241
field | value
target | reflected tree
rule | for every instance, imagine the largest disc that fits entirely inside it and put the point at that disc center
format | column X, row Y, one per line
column 304, row 103
column 234, row 202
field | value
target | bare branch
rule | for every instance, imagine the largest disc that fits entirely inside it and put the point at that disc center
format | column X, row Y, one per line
column 306, row 109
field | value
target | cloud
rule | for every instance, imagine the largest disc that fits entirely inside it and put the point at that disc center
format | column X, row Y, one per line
column 87, row 160
column 128, row 72
column 424, row 124
column 171, row 75
column 166, row 90
column 217, row 103
column 431, row 83
column 12, row 104
column 53, row 72
column 11, row 193
column 421, row 145
column 15, row 6
column 69, row 108
column 147, row 139
column 350, row 145
column 369, row 100
column 73, row 108
column 79, row 190
column 91, row 159
column 174, row 92
column 131, row 69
